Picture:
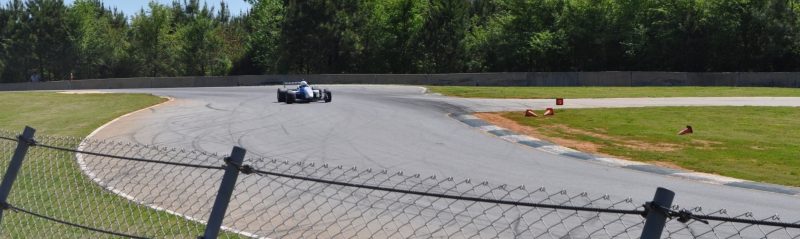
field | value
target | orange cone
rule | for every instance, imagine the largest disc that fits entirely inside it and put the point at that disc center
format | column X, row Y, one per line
column 549, row 111
column 687, row 130
column 530, row 113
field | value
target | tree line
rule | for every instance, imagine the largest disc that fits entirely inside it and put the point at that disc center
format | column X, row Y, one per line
column 53, row 41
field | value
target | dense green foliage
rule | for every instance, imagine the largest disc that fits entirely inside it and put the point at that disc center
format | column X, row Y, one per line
column 89, row 40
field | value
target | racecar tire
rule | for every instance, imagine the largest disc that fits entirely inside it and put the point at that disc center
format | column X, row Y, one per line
column 290, row 98
column 328, row 96
column 281, row 95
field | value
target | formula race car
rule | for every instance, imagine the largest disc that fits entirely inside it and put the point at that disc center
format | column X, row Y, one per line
column 303, row 94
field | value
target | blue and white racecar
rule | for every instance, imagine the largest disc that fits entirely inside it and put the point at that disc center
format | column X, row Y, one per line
column 304, row 93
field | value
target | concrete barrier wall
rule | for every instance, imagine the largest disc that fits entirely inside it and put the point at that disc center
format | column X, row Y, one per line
column 16, row 86
column 777, row 79
column 164, row 82
column 611, row 78
column 639, row 78
column 409, row 79
column 713, row 79
column 503, row 79
column 218, row 81
column 340, row 79
column 459, row 79
column 129, row 83
column 51, row 85
column 553, row 79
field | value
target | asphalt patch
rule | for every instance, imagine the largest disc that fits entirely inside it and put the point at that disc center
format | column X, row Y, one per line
column 501, row 132
column 535, row 144
column 654, row 169
column 579, row 155
column 475, row 122
column 764, row 187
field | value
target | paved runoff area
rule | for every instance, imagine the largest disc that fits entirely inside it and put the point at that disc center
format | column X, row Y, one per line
column 402, row 128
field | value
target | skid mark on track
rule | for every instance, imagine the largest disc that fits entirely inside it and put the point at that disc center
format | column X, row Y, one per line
column 214, row 108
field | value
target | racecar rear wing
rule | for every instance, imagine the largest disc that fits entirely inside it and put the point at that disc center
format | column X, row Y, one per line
column 285, row 83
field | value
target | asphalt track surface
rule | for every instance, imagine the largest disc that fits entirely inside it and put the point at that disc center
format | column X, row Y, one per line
column 400, row 128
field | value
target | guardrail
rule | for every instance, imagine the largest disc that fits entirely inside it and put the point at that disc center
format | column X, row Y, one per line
column 82, row 188
column 622, row 78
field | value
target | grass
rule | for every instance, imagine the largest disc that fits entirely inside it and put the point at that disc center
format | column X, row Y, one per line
column 74, row 115
column 53, row 183
column 607, row 92
column 754, row 143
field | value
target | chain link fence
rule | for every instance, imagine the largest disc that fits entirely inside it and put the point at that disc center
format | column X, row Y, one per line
column 76, row 188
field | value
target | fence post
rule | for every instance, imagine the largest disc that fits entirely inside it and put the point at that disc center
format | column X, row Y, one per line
column 656, row 218
column 13, row 167
column 224, row 194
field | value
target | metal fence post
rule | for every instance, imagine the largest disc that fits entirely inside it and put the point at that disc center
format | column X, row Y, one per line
column 13, row 167
column 657, row 218
column 224, row 194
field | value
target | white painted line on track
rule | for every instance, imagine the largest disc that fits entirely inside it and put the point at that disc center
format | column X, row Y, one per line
column 517, row 138
column 713, row 178
column 468, row 117
column 556, row 149
column 619, row 162
column 491, row 128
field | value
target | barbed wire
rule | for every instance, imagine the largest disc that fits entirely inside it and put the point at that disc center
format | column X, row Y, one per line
column 683, row 215
column 60, row 185
column 248, row 169
column 8, row 138
column 475, row 199
column 306, row 200
column 129, row 158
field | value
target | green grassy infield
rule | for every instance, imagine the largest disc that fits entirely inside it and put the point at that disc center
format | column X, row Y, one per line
column 754, row 143
column 73, row 115
column 607, row 92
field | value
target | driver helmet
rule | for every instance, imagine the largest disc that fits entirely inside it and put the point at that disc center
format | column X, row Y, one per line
column 303, row 83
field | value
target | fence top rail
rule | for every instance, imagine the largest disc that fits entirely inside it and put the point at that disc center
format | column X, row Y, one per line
column 253, row 167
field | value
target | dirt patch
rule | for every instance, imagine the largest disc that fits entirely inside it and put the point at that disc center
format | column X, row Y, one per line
column 759, row 148
column 705, row 144
column 667, row 165
column 633, row 144
column 589, row 147
column 499, row 120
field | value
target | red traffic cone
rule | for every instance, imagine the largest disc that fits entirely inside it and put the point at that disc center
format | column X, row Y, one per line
column 530, row 113
column 687, row 130
column 549, row 111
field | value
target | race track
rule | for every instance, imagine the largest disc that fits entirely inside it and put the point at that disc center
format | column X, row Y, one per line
column 400, row 128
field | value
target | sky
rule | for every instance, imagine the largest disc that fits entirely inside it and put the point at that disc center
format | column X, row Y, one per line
column 129, row 7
